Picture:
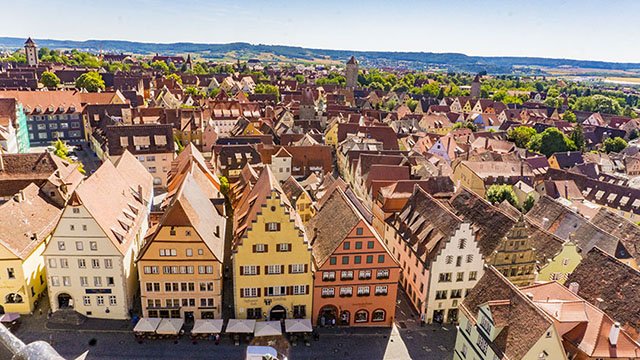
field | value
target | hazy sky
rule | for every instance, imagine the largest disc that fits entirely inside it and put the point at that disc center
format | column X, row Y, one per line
column 577, row 29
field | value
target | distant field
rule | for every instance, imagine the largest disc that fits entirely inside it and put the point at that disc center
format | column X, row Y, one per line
column 623, row 80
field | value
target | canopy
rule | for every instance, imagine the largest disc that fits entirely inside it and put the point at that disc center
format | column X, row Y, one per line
column 268, row 328
column 9, row 317
column 147, row 325
column 298, row 325
column 240, row 326
column 207, row 326
column 170, row 326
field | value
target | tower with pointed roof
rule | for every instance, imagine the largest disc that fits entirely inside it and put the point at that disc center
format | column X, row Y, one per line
column 31, row 51
column 352, row 73
column 475, row 87
column 188, row 64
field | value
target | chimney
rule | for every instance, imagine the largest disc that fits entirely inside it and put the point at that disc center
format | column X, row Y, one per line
column 529, row 296
column 573, row 287
column 614, row 333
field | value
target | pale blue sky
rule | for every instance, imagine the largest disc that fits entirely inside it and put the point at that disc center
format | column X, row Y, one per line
column 577, row 29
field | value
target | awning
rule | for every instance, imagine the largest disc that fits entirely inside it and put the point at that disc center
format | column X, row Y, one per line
column 9, row 317
column 170, row 326
column 239, row 326
column 297, row 325
column 147, row 325
column 268, row 328
column 207, row 326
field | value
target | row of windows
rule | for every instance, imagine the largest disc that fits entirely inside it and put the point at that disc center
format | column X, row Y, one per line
column 179, row 286
column 62, row 246
column 54, row 117
column 358, row 244
column 56, row 134
column 449, row 259
column 273, row 269
column 175, row 303
column 82, row 263
column 86, row 300
column 361, row 291
column 357, row 259
column 447, row 277
column 54, row 126
column 254, row 292
column 202, row 269
column 348, row 275
column 263, row 248
column 84, row 281
column 455, row 294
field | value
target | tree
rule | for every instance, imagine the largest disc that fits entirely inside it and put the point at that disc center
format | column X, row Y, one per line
column 615, row 144
column 569, row 116
column 577, row 136
column 300, row 78
column 465, row 124
column 160, row 65
column 528, row 203
column 499, row 193
column 174, row 77
column 521, row 135
column 50, row 80
column 193, row 91
column 551, row 140
column 224, row 185
column 91, row 81
column 61, row 150
column 263, row 88
column 412, row 104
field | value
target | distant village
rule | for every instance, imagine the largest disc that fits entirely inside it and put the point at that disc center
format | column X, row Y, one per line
column 181, row 193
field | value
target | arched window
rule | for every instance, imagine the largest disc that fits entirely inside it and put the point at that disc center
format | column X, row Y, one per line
column 361, row 316
column 13, row 299
column 378, row 315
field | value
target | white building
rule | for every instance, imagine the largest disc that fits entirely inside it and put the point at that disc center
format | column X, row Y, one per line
column 281, row 164
column 90, row 257
column 454, row 271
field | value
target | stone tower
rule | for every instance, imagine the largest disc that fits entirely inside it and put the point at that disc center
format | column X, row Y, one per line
column 475, row 87
column 307, row 105
column 31, row 51
column 352, row 73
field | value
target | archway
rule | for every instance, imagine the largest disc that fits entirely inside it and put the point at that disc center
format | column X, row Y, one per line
column 278, row 312
column 65, row 301
column 327, row 315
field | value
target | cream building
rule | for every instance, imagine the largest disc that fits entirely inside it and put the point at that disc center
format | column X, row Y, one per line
column 90, row 258
column 454, row 271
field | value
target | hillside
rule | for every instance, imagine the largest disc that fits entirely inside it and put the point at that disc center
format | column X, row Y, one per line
column 414, row 60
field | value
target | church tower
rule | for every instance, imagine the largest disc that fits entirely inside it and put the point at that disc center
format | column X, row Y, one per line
column 188, row 64
column 475, row 87
column 352, row 73
column 31, row 51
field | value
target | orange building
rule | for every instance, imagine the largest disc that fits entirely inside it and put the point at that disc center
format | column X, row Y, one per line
column 356, row 279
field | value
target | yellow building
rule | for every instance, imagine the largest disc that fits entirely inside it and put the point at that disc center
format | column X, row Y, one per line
column 331, row 134
column 180, row 266
column 299, row 198
column 26, row 224
column 561, row 265
column 515, row 257
column 271, row 255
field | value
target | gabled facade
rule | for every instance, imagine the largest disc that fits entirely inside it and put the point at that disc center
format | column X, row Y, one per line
column 453, row 272
column 180, row 266
column 90, row 258
column 515, row 257
column 271, row 256
column 356, row 277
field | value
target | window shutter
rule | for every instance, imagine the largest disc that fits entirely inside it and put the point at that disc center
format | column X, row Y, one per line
column 254, row 248
column 266, row 226
column 289, row 290
column 241, row 293
column 241, row 270
column 306, row 289
column 290, row 268
column 306, row 268
column 266, row 248
column 265, row 291
column 257, row 270
column 259, row 291
column 266, row 269
column 281, row 269
column 288, row 247
column 278, row 226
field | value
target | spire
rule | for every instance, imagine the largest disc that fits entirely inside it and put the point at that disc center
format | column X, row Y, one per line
column 352, row 61
column 29, row 42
